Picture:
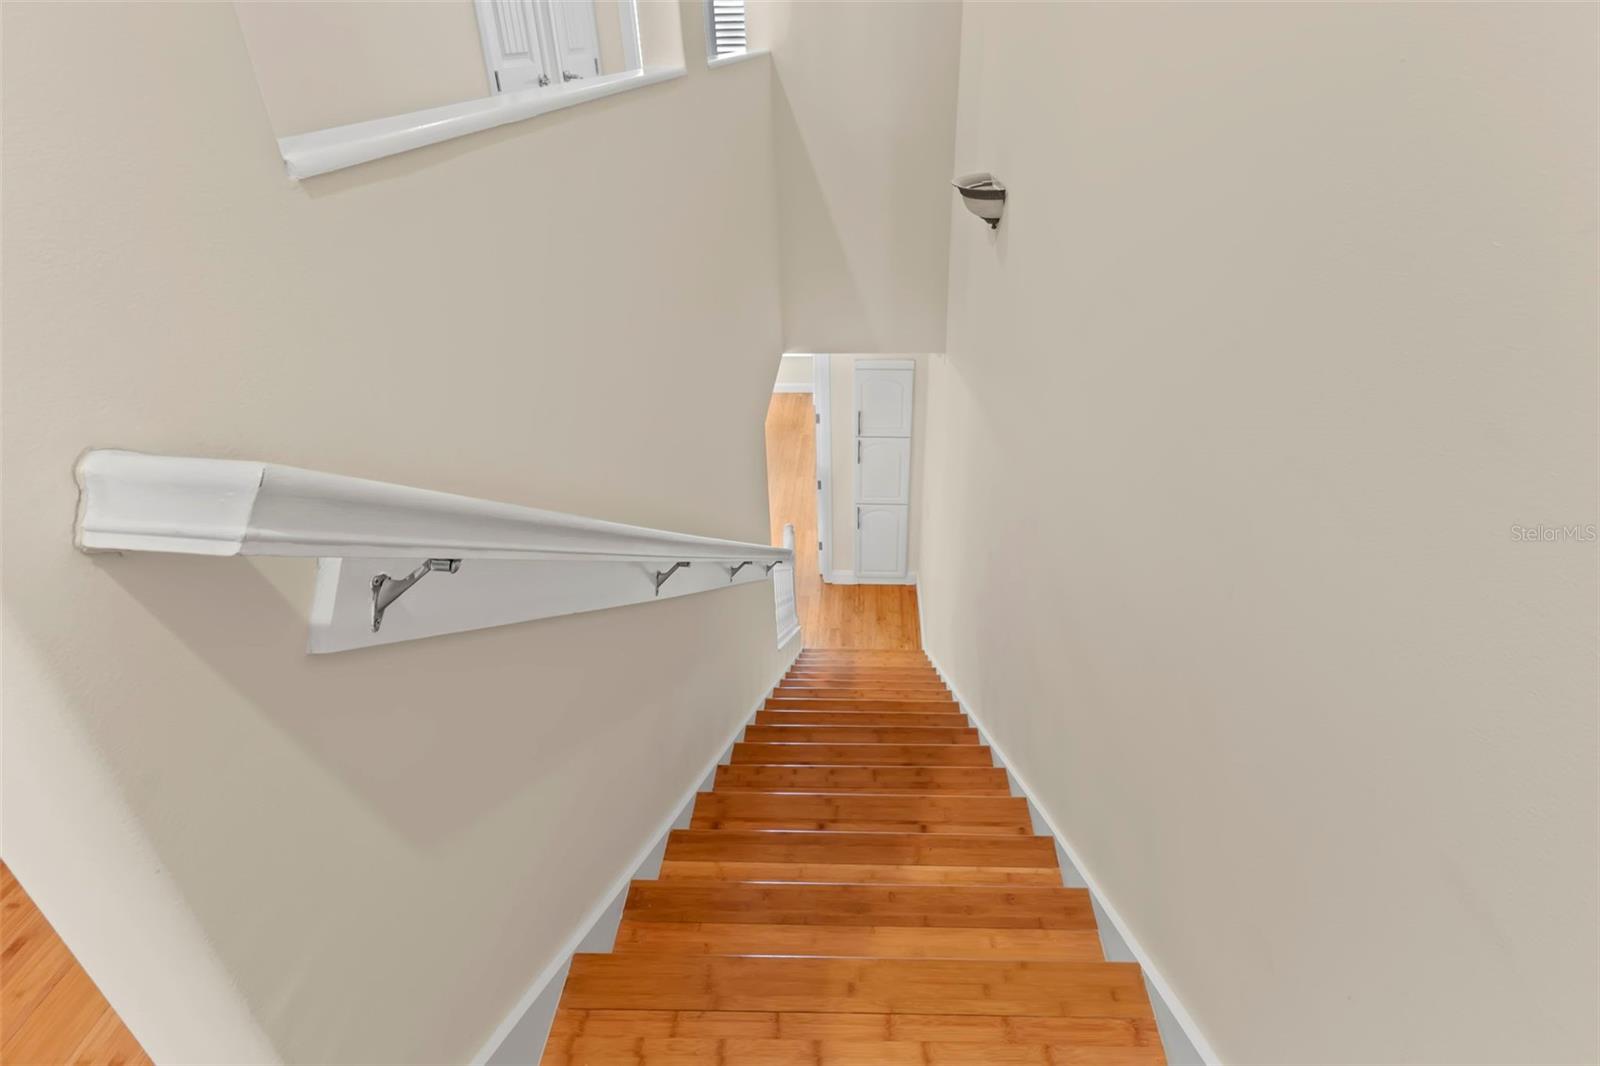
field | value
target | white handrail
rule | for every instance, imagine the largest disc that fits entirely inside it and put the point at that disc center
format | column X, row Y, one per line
column 130, row 501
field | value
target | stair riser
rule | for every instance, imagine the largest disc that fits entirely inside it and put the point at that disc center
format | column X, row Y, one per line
column 858, row 734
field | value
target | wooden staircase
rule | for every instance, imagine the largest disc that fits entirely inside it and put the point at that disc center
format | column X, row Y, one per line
column 859, row 889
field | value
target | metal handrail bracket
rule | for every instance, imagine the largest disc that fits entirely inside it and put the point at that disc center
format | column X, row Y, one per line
column 662, row 575
column 386, row 589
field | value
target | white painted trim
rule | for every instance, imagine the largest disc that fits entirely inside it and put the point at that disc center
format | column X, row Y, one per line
column 794, row 386
column 785, row 600
column 822, row 403
column 886, row 364
column 542, row 983
column 1152, row 974
column 129, row 501
column 495, row 592
column 306, row 155
column 849, row 577
column 632, row 47
column 735, row 57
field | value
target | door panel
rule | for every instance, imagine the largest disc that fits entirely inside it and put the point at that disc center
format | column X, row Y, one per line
column 577, row 41
column 883, row 402
column 511, row 48
column 883, row 473
column 880, row 540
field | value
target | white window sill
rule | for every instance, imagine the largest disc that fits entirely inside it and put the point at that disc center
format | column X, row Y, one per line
column 735, row 57
column 306, row 155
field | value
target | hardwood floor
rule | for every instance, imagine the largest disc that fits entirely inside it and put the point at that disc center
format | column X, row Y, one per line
column 50, row 1012
column 859, row 890
column 831, row 616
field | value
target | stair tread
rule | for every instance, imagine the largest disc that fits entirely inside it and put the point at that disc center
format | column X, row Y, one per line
column 869, row 812
column 919, row 906
column 859, row 873
column 859, row 888
column 861, row 734
column 855, row 986
column 894, row 849
column 841, row 676
column 862, row 692
column 794, row 754
column 827, row 703
column 775, row 1038
column 919, row 780
column 904, row 718
column 1000, row 810
column 812, row 940
column 745, row 1051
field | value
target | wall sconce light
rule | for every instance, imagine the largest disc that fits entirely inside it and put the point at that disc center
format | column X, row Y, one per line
column 983, row 195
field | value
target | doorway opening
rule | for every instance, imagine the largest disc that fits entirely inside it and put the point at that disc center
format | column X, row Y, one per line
column 804, row 478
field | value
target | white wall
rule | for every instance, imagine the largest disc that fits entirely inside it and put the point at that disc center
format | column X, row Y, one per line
column 794, row 374
column 366, row 856
column 841, row 377
column 864, row 102
column 1290, row 320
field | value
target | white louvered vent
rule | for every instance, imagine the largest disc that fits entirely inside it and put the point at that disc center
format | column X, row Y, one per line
column 727, row 26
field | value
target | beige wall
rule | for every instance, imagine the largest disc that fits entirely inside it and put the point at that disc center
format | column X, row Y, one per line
column 326, row 63
column 1291, row 319
column 841, row 382
column 608, row 28
column 366, row 856
column 865, row 94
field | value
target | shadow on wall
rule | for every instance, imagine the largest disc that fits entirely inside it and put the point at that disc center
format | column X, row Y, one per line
column 819, row 285
column 387, row 723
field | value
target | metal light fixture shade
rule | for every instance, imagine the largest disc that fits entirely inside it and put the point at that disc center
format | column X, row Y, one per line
column 983, row 195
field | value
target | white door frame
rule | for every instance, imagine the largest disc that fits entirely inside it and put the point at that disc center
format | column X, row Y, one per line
column 822, row 401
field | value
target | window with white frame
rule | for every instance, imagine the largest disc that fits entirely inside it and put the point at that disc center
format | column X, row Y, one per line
column 540, row 43
column 725, row 27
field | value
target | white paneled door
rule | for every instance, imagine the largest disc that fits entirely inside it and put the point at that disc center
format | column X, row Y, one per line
column 883, row 470
column 883, row 397
column 880, row 541
column 577, row 41
column 883, row 404
column 535, row 43
column 513, row 45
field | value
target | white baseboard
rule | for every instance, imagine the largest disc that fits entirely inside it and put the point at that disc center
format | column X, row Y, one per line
column 848, row 577
column 1181, row 1036
column 521, row 1035
column 793, row 386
